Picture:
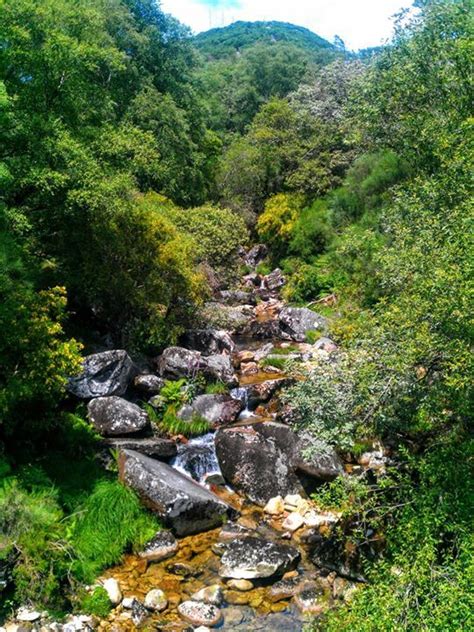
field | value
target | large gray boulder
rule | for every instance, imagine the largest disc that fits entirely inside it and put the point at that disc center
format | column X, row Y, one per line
column 296, row 322
column 218, row 410
column 231, row 318
column 148, row 384
column 209, row 341
column 256, row 465
column 177, row 362
column 103, row 374
column 114, row 416
column 251, row 558
column 275, row 280
column 255, row 255
column 182, row 504
column 265, row 460
column 237, row 297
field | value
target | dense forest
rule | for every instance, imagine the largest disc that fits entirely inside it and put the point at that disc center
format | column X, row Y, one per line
column 137, row 164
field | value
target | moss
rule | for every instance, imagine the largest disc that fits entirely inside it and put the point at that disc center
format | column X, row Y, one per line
column 96, row 603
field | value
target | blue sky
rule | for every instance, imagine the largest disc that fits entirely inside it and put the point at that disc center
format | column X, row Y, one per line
column 360, row 23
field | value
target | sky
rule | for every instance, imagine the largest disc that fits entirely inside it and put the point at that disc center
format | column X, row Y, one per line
column 360, row 23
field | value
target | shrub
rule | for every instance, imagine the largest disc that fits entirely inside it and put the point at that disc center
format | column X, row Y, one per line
column 277, row 222
column 96, row 603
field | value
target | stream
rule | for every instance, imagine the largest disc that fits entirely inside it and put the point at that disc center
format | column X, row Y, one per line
column 286, row 601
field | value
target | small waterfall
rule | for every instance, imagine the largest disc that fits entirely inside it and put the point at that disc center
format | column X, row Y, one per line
column 242, row 394
column 197, row 458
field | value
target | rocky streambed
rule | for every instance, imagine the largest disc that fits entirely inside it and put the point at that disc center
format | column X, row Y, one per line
column 243, row 548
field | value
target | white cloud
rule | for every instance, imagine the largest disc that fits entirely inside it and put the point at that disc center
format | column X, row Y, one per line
column 360, row 23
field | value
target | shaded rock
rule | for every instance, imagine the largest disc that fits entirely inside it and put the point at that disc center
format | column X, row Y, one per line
column 112, row 416
column 198, row 613
column 231, row 318
column 274, row 280
column 251, row 280
column 257, row 558
column 264, row 329
column 218, row 410
column 154, row 447
column 210, row 594
column 254, row 463
column 219, row 367
column 255, row 255
column 295, row 322
column 330, row 554
column 156, row 600
column 103, row 374
column 237, row 297
column 209, row 341
column 149, row 384
column 177, row 362
column 183, row 504
column 162, row 546
column 325, row 466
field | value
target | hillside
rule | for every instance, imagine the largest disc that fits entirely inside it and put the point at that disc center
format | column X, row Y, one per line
column 222, row 42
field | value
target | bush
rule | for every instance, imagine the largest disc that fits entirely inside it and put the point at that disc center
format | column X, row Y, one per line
column 96, row 603
column 276, row 224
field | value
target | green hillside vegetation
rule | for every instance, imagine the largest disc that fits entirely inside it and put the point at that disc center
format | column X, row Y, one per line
column 223, row 42
column 135, row 161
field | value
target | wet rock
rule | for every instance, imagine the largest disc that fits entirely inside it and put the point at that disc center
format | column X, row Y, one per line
column 293, row 522
column 156, row 600
column 254, row 463
column 295, row 322
column 264, row 329
column 115, row 416
column 112, row 588
column 286, row 588
column 274, row 506
column 103, row 374
column 263, row 391
column 148, row 384
column 162, row 546
column 198, row 613
column 232, row 530
column 183, row 570
column 218, row 410
column 310, row 600
column 263, row 351
column 275, row 280
column 329, row 553
column 209, row 341
column 183, row 504
column 256, row 255
column 249, row 368
column 242, row 585
column 154, row 447
column 237, row 598
column 210, row 594
column 177, row 362
column 139, row 613
column 257, row 558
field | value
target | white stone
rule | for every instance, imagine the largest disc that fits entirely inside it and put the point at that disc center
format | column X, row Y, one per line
column 292, row 500
column 112, row 588
column 315, row 519
column 274, row 506
column 25, row 614
column 293, row 522
column 156, row 600
column 210, row 594
column 128, row 602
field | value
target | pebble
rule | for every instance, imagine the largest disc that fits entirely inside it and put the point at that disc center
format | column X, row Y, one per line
column 275, row 506
column 210, row 594
column 237, row 598
column 243, row 585
column 198, row 613
column 293, row 522
column 156, row 600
